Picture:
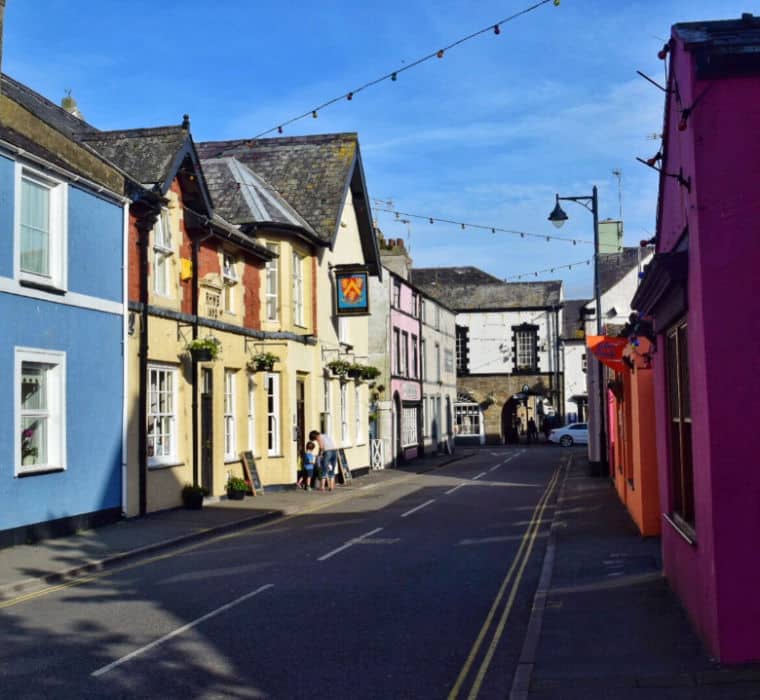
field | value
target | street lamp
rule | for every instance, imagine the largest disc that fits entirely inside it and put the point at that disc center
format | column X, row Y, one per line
column 558, row 218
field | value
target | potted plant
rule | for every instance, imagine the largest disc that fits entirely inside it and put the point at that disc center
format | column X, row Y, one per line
column 204, row 349
column 338, row 367
column 369, row 372
column 236, row 488
column 355, row 370
column 193, row 495
column 262, row 362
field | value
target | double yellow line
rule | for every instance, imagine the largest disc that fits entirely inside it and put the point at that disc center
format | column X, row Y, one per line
column 518, row 565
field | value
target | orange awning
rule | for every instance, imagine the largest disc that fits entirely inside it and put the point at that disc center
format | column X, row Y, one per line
column 608, row 350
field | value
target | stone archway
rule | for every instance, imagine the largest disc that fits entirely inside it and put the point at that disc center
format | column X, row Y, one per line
column 509, row 431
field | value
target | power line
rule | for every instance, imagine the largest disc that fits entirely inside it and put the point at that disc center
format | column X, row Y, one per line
column 549, row 269
column 465, row 225
column 393, row 75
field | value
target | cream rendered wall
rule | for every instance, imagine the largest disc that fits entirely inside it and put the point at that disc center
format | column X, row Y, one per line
column 297, row 360
column 347, row 250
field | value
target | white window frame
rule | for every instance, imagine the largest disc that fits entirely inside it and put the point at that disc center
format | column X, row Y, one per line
column 272, row 284
column 54, row 412
column 404, row 355
column 409, row 435
column 162, row 253
column 230, row 442
column 56, row 275
column 344, row 414
column 251, row 413
column 359, row 433
column 328, row 406
column 468, row 415
column 274, row 408
column 229, row 280
column 299, row 318
column 171, row 457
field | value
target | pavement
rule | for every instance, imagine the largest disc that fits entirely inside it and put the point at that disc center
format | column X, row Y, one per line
column 604, row 623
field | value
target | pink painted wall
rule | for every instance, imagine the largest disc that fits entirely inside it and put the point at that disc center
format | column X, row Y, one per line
column 720, row 150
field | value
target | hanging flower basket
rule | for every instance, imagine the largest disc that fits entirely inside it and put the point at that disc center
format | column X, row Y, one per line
column 355, row 371
column 339, row 368
column 262, row 362
column 204, row 349
column 369, row 372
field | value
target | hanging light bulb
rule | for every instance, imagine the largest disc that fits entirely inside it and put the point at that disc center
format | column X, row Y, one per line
column 440, row 53
column 279, row 129
column 547, row 239
column 462, row 225
column 575, row 242
column 394, row 77
column 522, row 235
column 314, row 114
column 431, row 220
column 535, row 274
column 350, row 96
column 493, row 230
column 496, row 29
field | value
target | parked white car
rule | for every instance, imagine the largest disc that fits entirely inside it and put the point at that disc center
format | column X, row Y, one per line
column 568, row 435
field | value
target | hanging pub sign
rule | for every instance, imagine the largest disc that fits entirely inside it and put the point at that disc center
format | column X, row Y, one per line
column 608, row 350
column 351, row 291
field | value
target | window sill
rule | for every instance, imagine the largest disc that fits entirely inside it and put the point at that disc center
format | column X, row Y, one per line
column 39, row 471
column 682, row 528
column 164, row 463
column 231, row 459
column 275, row 456
column 42, row 286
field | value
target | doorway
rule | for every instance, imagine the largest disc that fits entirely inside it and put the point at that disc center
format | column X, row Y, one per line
column 300, row 415
column 207, row 430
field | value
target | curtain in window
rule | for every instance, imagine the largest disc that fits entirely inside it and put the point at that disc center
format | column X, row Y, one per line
column 35, row 227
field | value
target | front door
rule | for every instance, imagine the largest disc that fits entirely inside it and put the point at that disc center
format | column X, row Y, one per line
column 207, row 430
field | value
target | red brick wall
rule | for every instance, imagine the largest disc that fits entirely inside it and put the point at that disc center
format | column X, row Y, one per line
column 133, row 261
column 252, row 271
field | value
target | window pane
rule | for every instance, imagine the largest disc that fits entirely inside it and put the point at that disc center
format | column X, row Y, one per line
column 33, row 387
column 34, row 441
column 35, row 227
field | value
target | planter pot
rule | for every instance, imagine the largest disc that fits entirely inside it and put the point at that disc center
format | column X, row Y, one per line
column 354, row 374
column 235, row 495
column 264, row 367
column 192, row 501
column 202, row 355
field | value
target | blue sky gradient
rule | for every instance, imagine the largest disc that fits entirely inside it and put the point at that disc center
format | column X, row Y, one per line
column 487, row 134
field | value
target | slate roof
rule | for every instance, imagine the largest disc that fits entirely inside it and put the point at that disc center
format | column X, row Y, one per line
column 311, row 172
column 571, row 317
column 242, row 197
column 729, row 34
column 32, row 147
column 148, row 155
column 44, row 109
column 471, row 289
column 614, row 266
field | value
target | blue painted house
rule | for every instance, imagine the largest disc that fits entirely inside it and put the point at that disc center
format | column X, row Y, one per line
column 62, row 323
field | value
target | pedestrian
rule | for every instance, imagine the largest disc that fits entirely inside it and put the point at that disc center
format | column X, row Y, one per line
column 547, row 428
column 532, row 431
column 309, row 462
column 329, row 458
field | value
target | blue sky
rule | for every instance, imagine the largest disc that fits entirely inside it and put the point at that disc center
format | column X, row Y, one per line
column 486, row 135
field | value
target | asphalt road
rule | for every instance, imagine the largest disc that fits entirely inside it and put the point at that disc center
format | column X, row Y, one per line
column 420, row 590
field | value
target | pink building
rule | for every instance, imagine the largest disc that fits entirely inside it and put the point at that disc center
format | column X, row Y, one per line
column 701, row 291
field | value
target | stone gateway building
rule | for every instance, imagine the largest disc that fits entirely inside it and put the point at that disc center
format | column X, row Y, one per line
column 508, row 361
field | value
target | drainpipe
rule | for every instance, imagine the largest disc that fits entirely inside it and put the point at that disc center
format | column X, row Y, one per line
column 124, row 357
column 144, row 226
column 196, row 244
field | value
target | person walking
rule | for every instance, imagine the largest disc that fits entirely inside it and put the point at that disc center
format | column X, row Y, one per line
column 532, row 431
column 328, row 452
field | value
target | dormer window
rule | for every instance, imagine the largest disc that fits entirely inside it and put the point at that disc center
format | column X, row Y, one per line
column 229, row 279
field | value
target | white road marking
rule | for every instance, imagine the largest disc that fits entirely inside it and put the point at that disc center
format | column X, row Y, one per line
column 419, row 507
column 464, row 483
column 180, row 630
column 348, row 544
column 494, row 468
column 475, row 478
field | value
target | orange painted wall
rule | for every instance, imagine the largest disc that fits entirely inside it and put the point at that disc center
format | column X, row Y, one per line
column 635, row 465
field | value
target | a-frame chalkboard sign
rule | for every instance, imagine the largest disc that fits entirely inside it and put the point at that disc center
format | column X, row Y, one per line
column 345, row 471
column 250, row 473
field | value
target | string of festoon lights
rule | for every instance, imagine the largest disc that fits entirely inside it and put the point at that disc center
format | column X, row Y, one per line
column 482, row 227
column 550, row 270
column 394, row 74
